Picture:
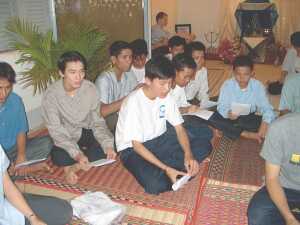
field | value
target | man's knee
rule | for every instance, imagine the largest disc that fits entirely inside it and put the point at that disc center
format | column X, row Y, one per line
column 254, row 214
column 257, row 214
column 202, row 149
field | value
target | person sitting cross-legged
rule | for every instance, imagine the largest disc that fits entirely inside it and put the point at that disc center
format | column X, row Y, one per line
column 149, row 150
column 71, row 112
column 14, row 127
column 241, row 99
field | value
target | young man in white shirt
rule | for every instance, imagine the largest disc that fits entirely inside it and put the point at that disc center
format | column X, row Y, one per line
column 153, row 155
column 197, row 89
column 115, row 84
column 139, row 59
column 185, row 68
column 176, row 45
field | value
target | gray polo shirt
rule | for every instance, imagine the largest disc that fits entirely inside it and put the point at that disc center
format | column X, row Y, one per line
column 157, row 33
column 110, row 89
column 282, row 148
column 65, row 116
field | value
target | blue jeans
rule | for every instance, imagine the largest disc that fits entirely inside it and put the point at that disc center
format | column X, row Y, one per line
column 168, row 150
column 262, row 210
column 36, row 148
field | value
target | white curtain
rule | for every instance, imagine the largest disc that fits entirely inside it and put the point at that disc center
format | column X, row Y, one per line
column 228, row 25
column 288, row 20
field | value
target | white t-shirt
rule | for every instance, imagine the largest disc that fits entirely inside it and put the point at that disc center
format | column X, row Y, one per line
column 142, row 119
column 9, row 215
column 110, row 89
column 198, row 87
column 139, row 74
column 179, row 96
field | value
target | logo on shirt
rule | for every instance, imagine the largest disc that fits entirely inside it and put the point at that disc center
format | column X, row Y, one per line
column 295, row 159
column 162, row 111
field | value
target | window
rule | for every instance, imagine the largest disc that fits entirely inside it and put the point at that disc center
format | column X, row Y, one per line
column 39, row 12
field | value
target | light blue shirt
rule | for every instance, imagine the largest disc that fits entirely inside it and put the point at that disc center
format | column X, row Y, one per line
column 254, row 95
column 9, row 215
column 290, row 95
column 110, row 89
column 290, row 61
column 13, row 120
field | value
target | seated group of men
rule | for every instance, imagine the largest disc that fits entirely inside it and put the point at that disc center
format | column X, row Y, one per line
column 141, row 104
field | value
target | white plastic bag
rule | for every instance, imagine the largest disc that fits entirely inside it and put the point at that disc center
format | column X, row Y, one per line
column 96, row 208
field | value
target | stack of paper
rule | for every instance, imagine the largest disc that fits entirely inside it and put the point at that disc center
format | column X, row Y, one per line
column 240, row 109
column 102, row 162
column 30, row 162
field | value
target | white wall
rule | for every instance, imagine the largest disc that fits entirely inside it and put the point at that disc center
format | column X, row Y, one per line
column 203, row 15
column 32, row 103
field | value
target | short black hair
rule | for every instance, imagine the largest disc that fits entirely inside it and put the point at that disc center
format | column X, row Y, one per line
column 160, row 15
column 194, row 46
column 243, row 61
column 182, row 61
column 295, row 39
column 159, row 67
column 139, row 47
column 70, row 56
column 176, row 41
column 116, row 48
column 7, row 72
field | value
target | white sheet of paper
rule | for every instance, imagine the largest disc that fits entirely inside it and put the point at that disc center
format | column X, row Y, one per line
column 204, row 114
column 207, row 104
column 102, row 162
column 30, row 162
column 240, row 109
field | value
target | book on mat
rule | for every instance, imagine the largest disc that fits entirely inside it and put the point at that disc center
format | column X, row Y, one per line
column 102, row 162
column 203, row 113
column 30, row 162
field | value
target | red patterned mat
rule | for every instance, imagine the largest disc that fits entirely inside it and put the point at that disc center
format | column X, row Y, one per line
column 114, row 180
column 237, row 162
column 224, row 203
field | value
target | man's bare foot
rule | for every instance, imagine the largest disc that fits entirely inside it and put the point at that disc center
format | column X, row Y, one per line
column 217, row 133
column 251, row 135
column 70, row 173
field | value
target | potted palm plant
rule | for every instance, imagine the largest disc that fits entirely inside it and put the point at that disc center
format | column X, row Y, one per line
column 41, row 50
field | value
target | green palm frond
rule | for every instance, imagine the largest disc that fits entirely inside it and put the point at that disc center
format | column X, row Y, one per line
column 42, row 52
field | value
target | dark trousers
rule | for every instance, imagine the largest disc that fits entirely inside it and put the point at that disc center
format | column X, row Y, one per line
column 88, row 145
column 234, row 128
column 262, row 210
column 51, row 210
column 168, row 150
